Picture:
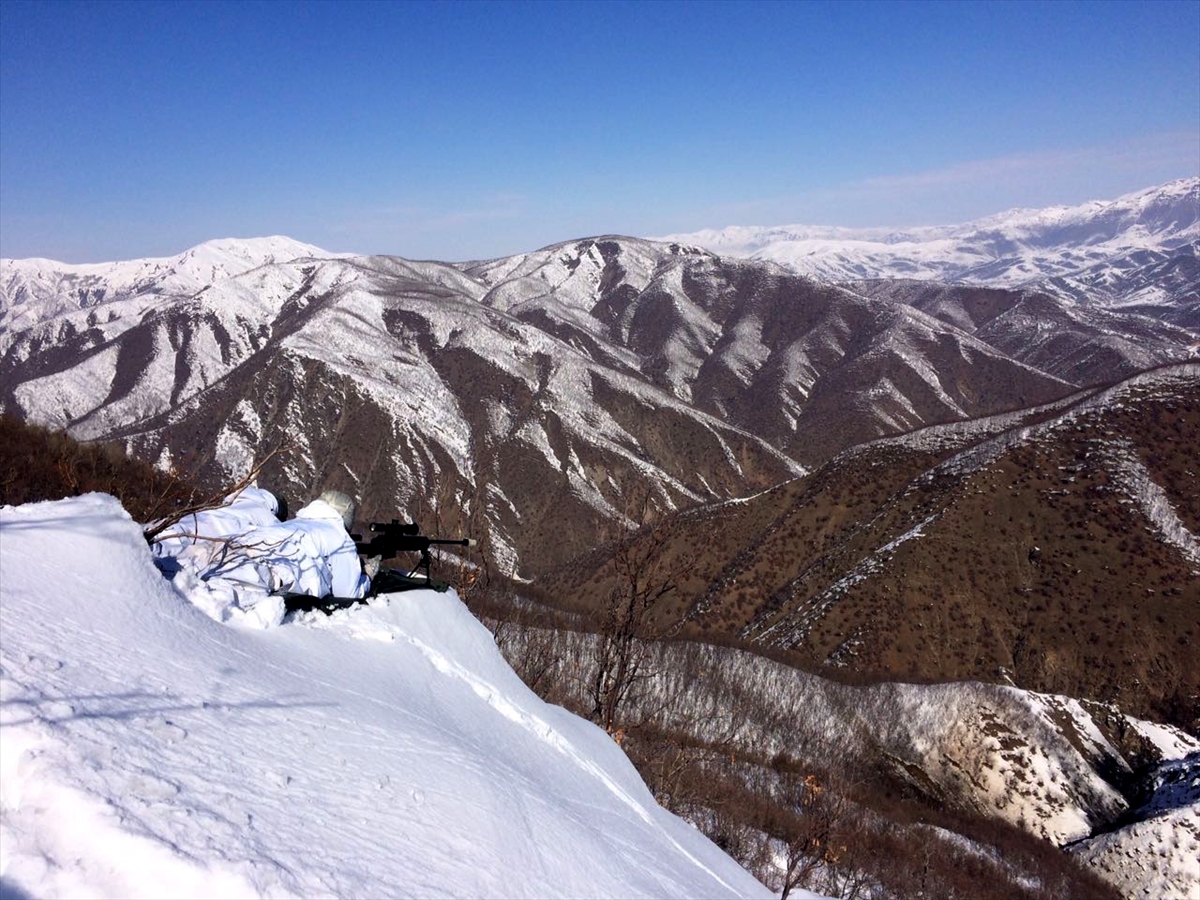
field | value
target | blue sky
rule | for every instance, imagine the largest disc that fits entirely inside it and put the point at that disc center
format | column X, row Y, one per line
column 466, row 130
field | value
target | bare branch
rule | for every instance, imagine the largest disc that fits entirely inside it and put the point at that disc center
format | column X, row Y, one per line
column 154, row 529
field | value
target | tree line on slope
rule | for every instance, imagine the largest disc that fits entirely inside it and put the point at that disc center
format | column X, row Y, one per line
column 38, row 463
column 798, row 803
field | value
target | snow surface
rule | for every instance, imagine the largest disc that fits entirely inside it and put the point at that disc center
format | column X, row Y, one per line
column 149, row 751
column 1158, row 853
column 1170, row 742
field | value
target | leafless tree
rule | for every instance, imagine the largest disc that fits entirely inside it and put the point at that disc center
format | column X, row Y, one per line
column 817, row 839
column 643, row 574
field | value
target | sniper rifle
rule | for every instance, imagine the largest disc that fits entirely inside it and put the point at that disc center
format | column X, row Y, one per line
column 400, row 537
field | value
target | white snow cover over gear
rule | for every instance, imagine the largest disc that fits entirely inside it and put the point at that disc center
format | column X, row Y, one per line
column 243, row 557
column 310, row 554
column 199, row 534
column 384, row 751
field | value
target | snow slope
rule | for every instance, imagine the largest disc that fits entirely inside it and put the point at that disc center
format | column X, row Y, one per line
column 1158, row 853
column 384, row 751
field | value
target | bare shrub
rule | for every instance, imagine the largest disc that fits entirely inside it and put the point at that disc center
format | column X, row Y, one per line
column 643, row 576
column 161, row 517
column 38, row 463
column 780, row 769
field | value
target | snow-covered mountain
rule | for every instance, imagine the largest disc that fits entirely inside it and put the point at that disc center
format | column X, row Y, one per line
column 1082, row 343
column 35, row 289
column 1130, row 251
column 386, row 751
column 396, row 381
column 544, row 395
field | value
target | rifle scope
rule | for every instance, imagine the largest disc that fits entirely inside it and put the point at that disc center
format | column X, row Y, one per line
column 397, row 525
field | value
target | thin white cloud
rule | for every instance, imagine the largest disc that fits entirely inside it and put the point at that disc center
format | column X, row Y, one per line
column 1181, row 147
column 982, row 186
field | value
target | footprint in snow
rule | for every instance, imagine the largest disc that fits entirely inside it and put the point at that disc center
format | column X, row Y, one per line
column 57, row 710
column 166, row 730
column 151, row 788
column 43, row 664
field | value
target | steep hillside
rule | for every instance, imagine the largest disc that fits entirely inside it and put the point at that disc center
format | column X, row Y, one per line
column 1054, row 548
column 810, row 367
column 1080, row 343
column 1156, row 850
column 386, row 751
column 955, row 790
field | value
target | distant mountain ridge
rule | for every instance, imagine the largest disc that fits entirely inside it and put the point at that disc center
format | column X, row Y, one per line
column 547, row 395
column 1092, row 252
column 32, row 289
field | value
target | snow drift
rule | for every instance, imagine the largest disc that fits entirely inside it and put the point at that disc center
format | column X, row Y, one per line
column 384, row 751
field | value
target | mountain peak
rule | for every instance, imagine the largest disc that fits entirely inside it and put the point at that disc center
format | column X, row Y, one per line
column 32, row 289
column 272, row 248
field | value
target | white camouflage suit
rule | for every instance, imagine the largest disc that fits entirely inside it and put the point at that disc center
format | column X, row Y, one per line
column 234, row 561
